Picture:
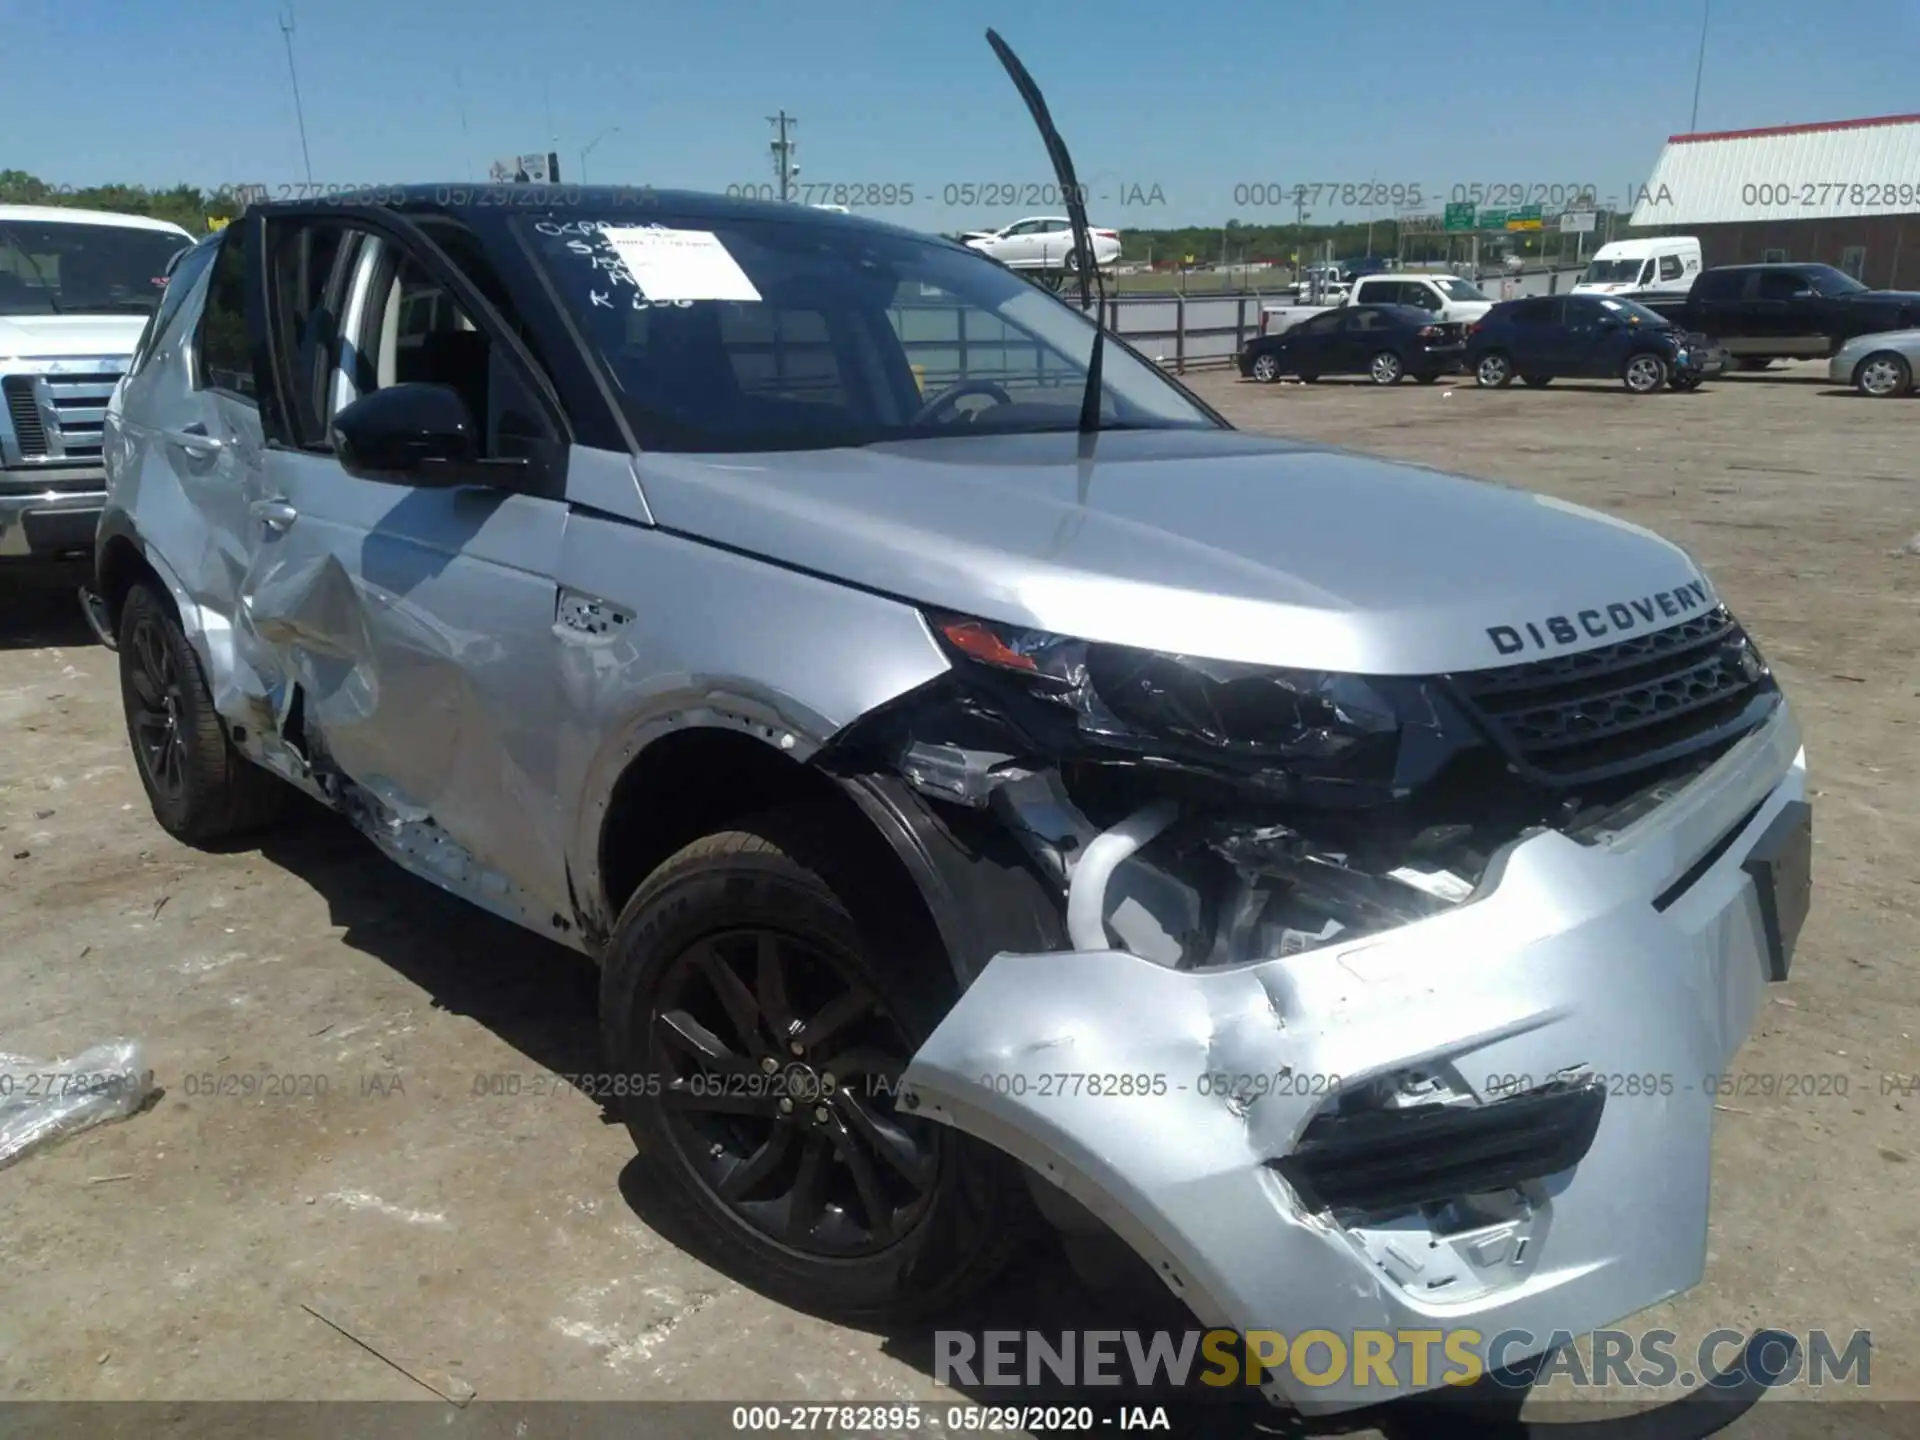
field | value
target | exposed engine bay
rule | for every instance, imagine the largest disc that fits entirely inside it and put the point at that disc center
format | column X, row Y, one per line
column 1201, row 813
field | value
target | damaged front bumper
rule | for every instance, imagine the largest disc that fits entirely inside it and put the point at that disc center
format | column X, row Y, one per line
column 1496, row 1118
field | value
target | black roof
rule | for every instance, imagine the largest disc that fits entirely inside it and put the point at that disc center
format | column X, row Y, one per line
column 470, row 201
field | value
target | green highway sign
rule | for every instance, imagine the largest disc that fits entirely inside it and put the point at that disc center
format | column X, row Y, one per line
column 1527, row 218
column 1493, row 220
column 1460, row 216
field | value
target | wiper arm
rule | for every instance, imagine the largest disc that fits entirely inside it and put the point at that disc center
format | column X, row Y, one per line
column 1076, row 215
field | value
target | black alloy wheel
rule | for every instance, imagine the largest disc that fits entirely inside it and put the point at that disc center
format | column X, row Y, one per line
column 778, row 1069
column 761, row 997
column 200, row 786
column 154, row 706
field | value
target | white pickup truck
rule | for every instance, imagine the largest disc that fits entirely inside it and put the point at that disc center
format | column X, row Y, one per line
column 76, row 290
column 1448, row 297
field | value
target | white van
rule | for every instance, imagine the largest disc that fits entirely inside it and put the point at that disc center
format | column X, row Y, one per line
column 1669, row 264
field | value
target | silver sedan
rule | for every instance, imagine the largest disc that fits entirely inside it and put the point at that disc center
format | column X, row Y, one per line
column 1880, row 365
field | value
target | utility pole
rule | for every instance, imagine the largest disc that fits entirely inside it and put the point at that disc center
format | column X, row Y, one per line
column 299, row 114
column 587, row 149
column 1700, row 66
column 466, row 139
column 783, row 148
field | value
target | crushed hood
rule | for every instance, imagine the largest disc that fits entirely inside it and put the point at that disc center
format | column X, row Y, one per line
column 1221, row 544
column 45, row 337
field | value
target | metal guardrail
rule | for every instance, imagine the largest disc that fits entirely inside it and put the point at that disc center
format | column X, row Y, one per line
column 946, row 343
column 1180, row 332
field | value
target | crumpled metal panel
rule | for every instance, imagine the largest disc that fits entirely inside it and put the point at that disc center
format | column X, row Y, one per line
column 418, row 625
column 1563, row 965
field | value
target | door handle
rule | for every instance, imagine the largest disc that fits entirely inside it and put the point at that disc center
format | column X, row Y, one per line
column 275, row 514
column 195, row 440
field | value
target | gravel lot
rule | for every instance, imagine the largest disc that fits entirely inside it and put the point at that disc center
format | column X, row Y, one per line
column 488, row 1236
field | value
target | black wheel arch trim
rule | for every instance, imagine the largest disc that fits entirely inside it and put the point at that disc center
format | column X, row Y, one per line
column 976, row 883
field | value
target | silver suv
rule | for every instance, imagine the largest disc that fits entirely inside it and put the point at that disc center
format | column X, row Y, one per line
column 1337, row 880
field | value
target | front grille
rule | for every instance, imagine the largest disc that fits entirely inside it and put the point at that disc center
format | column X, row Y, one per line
column 76, row 404
column 24, row 411
column 1634, row 703
column 80, row 410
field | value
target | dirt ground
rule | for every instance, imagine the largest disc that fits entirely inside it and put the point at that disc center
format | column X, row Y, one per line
column 488, row 1236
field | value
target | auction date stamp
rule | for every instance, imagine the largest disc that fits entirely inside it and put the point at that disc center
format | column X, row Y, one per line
column 1147, row 1084
column 897, row 1419
column 535, row 1085
column 1721, row 1085
column 255, row 1084
column 27, row 1085
column 986, row 194
column 519, row 197
column 1813, row 194
column 1375, row 194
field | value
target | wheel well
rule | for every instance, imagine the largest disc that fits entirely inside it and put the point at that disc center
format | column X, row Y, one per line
column 697, row 781
column 122, row 567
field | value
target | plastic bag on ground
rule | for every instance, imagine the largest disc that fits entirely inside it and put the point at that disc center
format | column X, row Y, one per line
column 41, row 1100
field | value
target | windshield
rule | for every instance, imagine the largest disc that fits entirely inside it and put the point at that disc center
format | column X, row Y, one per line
column 67, row 268
column 755, row 335
column 1612, row 272
column 1455, row 288
column 1829, row 281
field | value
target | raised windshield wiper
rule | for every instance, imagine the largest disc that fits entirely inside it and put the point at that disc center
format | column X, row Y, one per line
column 1076, row 215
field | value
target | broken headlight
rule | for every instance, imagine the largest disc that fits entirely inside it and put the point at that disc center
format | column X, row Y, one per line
column 1181, row 708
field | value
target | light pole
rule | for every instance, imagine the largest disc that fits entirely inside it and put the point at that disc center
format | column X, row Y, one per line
column 1700, row 66
column 783, row 148
column 299, row 114
column 587, row 149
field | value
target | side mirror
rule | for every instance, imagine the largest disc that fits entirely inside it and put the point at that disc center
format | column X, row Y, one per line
column 415, row 434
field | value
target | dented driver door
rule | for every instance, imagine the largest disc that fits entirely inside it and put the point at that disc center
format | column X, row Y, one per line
column 413, row 623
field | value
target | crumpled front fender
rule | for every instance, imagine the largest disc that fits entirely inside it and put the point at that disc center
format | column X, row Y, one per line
column 1162, row 1099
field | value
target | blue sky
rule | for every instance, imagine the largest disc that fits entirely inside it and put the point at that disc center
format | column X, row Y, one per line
column 1194, row 99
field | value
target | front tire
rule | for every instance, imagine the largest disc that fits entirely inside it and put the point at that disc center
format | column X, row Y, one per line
column 1644, row 373
column 762, row 1004
column 200, row 787
column 1883, row 375
column 1386, row 368
column 1266, row 369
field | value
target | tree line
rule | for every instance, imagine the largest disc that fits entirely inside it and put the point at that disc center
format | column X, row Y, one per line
column 187, row 206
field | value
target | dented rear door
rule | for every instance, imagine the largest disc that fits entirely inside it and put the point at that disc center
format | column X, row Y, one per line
column 414, row 625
